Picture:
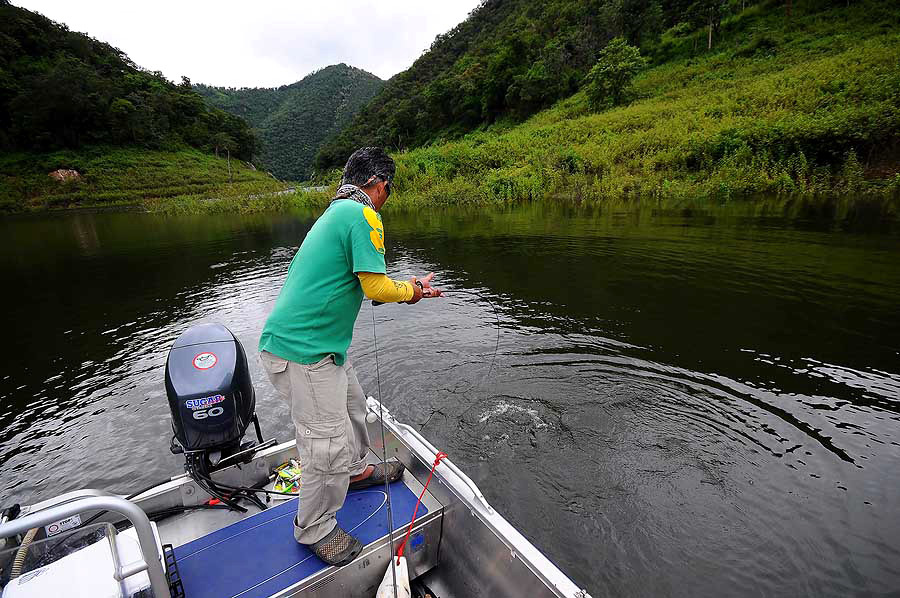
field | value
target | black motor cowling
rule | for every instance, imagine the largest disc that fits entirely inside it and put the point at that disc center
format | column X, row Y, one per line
column 209, row 389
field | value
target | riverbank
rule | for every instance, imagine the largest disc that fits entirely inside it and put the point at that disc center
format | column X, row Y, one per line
column 114, row 176
column 236, row 200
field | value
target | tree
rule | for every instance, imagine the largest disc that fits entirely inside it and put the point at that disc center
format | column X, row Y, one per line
column 225, row 142
column 64, row 89
column 121, row 114
column 708, row 12
column 642, row 20
column 608, row 81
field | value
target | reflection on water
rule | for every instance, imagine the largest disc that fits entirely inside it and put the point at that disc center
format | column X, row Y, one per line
column 685, row 403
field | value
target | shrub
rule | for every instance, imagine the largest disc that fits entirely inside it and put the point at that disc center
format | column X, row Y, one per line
column 761, row 46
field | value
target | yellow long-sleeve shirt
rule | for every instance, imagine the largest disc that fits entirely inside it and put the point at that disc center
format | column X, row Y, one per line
column 382, row 288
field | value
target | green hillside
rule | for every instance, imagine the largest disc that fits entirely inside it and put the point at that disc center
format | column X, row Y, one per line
column 61, row 89
column 508, row 60
column 785, row 104
column 123, row 176
column 68, row 101
column 294, row 120
column 722, row 99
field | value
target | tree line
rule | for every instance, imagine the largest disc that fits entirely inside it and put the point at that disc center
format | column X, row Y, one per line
column 61, row 89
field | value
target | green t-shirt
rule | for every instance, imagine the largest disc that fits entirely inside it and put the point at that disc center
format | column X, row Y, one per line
column 314, row 314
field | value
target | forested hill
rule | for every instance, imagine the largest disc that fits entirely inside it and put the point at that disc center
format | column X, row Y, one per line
column 512, row 58
column 793, row 99
column 65, row 90
column 509, row 58
column 294, row 120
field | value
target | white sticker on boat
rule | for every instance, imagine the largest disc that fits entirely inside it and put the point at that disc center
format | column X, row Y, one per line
column 63, row 525
column 204, row 361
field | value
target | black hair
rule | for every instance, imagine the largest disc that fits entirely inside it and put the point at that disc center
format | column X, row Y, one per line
column 365, row 163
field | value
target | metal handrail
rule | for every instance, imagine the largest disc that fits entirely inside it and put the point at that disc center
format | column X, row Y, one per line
column 66, row 497
column 113, row 504
column 448, row 463
column 391, row 421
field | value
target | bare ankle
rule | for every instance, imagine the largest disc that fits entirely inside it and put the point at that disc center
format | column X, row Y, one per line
column 366, row 473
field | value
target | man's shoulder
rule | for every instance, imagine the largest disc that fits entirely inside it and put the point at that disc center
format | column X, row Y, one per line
column 341, row 214
column 350, row 212
column 346, row 208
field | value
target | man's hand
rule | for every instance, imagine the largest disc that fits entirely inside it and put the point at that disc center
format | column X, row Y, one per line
column 422, row 289
column 428, row 291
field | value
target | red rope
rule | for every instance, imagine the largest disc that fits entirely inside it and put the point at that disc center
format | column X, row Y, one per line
column 437, row 459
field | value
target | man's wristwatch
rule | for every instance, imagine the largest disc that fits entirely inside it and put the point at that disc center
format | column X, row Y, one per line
column 421, row 294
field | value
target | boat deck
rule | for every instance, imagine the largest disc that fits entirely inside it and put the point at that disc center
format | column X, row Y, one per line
column 258, row 557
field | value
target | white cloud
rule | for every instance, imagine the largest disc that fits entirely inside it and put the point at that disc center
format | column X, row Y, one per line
column 260, row 44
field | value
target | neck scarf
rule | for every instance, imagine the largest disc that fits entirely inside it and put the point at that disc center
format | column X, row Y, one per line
column 355, row 193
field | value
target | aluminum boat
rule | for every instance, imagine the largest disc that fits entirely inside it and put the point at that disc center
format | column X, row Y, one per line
column 174, row 539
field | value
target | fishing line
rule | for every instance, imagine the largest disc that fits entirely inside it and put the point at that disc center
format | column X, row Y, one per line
column 387, row 488
column 496, row 344
column 474, row 385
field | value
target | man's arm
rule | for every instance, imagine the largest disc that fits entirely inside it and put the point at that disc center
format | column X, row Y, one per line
column 387, row 290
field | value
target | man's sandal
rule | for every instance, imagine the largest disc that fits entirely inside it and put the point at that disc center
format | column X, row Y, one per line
column 338, row 548
column 392, row 470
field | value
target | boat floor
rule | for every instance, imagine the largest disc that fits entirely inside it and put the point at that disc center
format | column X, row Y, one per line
column 258, row 556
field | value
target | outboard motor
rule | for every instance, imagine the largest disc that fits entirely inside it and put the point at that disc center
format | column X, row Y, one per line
column 210, row 395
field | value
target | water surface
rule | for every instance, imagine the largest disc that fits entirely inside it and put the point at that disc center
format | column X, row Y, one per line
column 684, row 402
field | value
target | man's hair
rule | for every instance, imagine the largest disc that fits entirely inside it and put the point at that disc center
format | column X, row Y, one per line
column 365, row 163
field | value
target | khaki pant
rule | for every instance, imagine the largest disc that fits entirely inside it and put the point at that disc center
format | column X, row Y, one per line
column 328, row 408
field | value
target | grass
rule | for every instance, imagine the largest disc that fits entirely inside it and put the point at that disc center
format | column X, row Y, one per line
column 241, row 203
column 806, row 106
column 124, row 176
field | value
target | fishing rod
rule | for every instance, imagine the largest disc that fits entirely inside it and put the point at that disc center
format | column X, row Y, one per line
column 387, row 488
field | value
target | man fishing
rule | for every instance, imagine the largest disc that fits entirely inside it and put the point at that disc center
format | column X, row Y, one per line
column 304, row 342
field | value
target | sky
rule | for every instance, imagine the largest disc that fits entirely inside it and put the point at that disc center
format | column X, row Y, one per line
column 265, row 43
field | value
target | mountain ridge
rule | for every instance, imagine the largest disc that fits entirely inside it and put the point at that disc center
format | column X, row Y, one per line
column 783, row 104
column 71, row 102
column 292, row 121
column 507, row 59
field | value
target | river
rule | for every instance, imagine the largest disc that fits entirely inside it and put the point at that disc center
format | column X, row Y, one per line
column 684, row 402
